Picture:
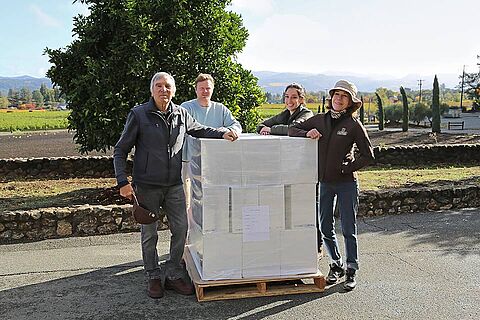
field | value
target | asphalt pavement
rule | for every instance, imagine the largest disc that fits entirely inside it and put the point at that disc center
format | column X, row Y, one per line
column 413, row 266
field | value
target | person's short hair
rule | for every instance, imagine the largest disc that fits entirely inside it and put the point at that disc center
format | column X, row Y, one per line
column 203, row 77
column 159, row 75
column 297, row 86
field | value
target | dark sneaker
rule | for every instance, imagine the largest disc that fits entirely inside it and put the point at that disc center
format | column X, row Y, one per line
column 155, row 289
column 350, row 282
column 179, row 286
column 335, row 274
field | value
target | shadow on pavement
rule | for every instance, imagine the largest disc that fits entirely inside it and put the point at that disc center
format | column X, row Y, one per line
column 455, row 231
column 119, row 292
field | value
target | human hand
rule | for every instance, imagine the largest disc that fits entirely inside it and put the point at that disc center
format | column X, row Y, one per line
column 265, row 130
column 314, row 134
column 231, row 135
column 127, row 191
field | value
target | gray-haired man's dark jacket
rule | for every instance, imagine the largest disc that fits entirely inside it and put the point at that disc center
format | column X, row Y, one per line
column 158, row 141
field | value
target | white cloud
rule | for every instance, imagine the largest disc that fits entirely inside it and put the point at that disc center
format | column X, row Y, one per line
column 43, row 17
column 285, row 43
column 259, row 7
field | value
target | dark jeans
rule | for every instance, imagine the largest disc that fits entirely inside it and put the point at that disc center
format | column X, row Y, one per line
column 347, row 201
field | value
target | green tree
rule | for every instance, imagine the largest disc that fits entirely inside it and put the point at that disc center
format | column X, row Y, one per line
column 122, row 43
column 393, row 113
column 3, row 102
column 380, row 112
column 43, row 89
column 405, row 110
column 58, row 94
column 420, row 112
column 362, row 112
column 444, row 108
column 37, row 97
column 13, row 96
column 49, row 96
column 472, row 85
column 385, row 93
column 436, row 107
column 25, row 95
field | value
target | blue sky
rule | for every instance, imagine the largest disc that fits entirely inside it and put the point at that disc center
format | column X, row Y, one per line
column 27, row 27
column 368, row 37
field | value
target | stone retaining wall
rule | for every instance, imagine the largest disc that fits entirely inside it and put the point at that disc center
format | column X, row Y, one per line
column 39, row 224
column 57, row 168
column 427, row 155
column 397, row 201
column 102, row 166
column 84, row 220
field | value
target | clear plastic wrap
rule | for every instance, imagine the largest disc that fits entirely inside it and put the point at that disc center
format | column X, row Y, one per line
column 252, row 206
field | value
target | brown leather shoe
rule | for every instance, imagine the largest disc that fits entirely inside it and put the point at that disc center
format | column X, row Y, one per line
column 155, row 289
column 179, row 286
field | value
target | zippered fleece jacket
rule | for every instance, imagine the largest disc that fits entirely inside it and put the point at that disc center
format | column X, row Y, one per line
column 336, row 161
column 158, row 141
column 280, row 123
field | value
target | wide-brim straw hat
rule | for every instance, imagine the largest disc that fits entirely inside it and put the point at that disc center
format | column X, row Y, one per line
column 348, row 87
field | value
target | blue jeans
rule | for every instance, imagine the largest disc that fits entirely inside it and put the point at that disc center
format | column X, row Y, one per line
column 347, row 201
column 172, row 200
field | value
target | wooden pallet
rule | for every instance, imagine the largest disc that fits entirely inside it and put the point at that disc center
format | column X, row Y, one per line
column 210, row 290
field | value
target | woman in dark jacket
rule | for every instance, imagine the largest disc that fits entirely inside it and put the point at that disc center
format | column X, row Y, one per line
column 295, row 112
column 337, row 131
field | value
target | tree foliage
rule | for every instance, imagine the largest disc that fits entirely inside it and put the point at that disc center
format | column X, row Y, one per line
column 381, row 114
column 38, row 98
column 122, row 43
column 420, row 112
column 362, row 112
column 3, row 102
column 436, row 106
column 393, row 113
column 405, row 110
column 472, row 86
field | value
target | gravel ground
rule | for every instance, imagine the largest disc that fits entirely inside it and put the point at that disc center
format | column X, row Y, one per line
column 60, row 143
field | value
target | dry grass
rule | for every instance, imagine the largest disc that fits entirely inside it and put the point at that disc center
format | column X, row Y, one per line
column 379, row 179
column 23, row 195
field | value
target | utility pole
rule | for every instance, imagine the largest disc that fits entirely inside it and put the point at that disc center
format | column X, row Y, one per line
column 461, row 92
column 320, row 96
column 325, row 97
column 420, row 81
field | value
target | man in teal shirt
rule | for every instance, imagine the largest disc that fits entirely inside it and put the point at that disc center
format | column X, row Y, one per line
column 207, row 112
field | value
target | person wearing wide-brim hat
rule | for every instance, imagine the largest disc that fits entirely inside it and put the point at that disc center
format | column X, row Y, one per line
column 337, row 131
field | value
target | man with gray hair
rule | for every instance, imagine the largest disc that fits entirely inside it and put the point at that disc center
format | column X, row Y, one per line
column 157, row 131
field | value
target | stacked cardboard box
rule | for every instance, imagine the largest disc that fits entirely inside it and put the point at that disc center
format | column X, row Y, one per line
column 253, row 206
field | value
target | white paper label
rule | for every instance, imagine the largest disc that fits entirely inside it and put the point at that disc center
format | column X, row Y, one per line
column 256, row 223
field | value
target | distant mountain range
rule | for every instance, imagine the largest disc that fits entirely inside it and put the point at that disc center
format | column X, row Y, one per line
column 20, row 82
column 275, row 82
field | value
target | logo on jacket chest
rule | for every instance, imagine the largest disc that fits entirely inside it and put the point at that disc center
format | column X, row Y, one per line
column 342, row 132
